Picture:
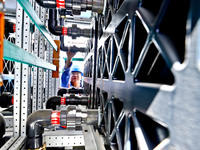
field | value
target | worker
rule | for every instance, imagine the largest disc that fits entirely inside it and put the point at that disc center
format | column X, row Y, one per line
column 72, row 75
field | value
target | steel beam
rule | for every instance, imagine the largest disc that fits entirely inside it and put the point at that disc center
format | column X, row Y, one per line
column 17, row 81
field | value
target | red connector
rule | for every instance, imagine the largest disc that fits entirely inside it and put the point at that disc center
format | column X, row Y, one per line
column 12, row 100
column 55, row 117
column 60, row 3
column 63, row 101
column 14, row 27
column 64, row 31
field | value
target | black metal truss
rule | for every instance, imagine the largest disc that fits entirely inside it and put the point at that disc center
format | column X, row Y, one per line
column 138, row 43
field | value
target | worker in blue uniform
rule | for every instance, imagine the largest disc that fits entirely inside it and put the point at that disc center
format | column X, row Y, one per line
column 72, row 75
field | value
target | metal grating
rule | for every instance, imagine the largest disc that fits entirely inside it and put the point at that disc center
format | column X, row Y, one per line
column 8, row 73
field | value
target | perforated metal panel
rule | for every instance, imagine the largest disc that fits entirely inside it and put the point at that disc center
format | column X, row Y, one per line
column 51, row 80
column 25, row 93
column 17, row 83
column 40, row 70
column 47, row 74
column 64, row 138
column 35, row 69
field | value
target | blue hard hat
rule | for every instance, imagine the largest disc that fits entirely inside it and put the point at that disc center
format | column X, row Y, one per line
column 76, row 68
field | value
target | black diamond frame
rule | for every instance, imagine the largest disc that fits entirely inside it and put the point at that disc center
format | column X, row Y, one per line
column 137, row 44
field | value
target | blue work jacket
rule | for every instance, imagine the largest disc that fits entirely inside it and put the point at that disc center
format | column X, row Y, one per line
column 66, row 77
